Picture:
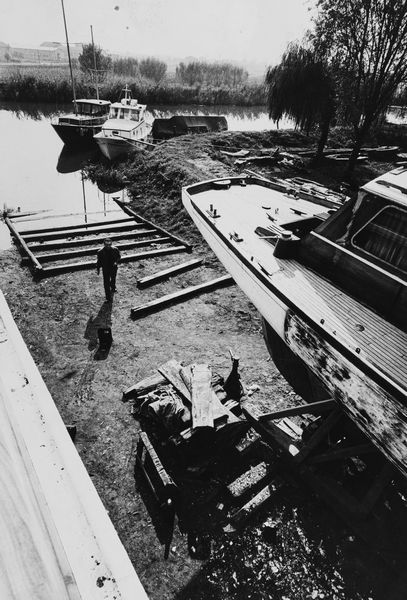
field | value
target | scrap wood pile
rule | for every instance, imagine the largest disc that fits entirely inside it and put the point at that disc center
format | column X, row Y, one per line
column 294, row 157
column 199, row 456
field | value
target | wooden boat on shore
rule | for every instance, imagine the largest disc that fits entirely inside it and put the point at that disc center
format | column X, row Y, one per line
column 126, row 128
column 331, row 284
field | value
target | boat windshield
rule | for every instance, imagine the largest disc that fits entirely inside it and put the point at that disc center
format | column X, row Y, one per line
column 371, row 227
column 95, row 110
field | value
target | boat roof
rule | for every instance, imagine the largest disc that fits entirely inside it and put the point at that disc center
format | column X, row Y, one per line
column 391, row 186
column 122, row 124
column 93, row 101
column 131, row 106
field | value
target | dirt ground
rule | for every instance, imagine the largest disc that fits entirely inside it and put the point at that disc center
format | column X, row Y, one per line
column 298, row 549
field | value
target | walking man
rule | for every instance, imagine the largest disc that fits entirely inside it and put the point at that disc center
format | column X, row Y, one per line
column 108, row 259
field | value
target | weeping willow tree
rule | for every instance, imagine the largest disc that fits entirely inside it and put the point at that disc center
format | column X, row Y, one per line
column 301, row 87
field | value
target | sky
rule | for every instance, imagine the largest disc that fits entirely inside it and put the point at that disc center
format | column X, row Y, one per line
column 249, row 30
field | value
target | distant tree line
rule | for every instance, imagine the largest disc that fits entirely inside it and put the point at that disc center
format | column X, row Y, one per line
column 192, row 73
column 215, row 74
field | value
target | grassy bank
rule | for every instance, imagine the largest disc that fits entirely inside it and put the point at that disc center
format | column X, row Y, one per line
column 154, row 180
column 54, row 85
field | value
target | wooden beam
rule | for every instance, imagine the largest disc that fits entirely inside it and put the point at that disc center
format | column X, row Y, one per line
column 338, row 453
column 81, row 232
column 171, row 371
column 170, row 272
column 201, row 396
column 87, row 241
column 35, row 262
column 89, row 264
column 141, row 219
column 144, row 386
column 180, row 296
column 313, row 408
column 78, row 226
column 319, row 434
column 255, row 504
column 51, row 256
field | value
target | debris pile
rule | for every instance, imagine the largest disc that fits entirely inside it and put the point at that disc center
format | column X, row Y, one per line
column 199, row 457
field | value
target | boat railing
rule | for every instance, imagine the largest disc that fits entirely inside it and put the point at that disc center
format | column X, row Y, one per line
column 78, row 120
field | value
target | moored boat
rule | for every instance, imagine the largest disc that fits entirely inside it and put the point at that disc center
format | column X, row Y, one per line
column 84, row 123
column 330, row 281
column 125, row 129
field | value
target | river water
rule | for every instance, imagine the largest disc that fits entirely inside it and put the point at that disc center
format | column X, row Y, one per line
column 38, row 173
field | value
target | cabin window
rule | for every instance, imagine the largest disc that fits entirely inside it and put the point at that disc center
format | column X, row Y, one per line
column 385, row 237
column 113, row 113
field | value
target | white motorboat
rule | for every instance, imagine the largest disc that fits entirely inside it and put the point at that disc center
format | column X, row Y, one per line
column 125, row 129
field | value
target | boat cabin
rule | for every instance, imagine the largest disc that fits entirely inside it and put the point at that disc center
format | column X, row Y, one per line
column 93, row 107
column 361, row 247
column 128, row 109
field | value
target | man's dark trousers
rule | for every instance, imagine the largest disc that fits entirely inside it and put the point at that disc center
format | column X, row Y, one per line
column 109, row 280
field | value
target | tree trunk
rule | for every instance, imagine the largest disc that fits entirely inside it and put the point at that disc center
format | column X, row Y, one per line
column 360, row 137
column 323, row 138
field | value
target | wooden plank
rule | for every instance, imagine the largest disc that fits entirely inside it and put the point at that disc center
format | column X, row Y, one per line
column 201, row 396
column 255, row 504
column 170, row 272
column 53, row 256
column 320, row 433
column 221, row 414
column 78, row 226
column 313, row 408
column 180, row 296
column 144, row 386
column 171, row 371
column 36, row 264
column 248, row 481
column 57, row 539
column 141, row 219
column 91, row 264
column 339, row 453
column 87, row 241
column 81, row 232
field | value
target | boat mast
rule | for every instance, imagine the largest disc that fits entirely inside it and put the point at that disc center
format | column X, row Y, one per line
column 70, row 62
column 94, row 63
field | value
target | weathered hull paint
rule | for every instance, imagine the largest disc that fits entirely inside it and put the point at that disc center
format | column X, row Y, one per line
column 378, row 414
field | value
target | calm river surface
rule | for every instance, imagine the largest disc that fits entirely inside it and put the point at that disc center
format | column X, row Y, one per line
column 38, row 173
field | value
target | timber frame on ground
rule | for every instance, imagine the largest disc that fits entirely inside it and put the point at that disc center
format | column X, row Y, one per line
column 330, row 455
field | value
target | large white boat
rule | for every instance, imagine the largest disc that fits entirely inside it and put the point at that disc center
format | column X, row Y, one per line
column 125, row 129
column 331, row 285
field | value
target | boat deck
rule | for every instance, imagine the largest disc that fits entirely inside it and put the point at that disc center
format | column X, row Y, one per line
column 371, row 338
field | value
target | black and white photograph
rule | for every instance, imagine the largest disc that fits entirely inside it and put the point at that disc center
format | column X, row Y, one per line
column 203, row 300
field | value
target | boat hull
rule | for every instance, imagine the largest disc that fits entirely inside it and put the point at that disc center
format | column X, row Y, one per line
column 113, row 147
column 378, row 406
column 75, row 135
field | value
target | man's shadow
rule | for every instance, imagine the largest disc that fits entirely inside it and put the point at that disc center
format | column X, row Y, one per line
column 103, row 320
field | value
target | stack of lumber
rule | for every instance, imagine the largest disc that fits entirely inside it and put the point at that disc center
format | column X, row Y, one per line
column 191, row 410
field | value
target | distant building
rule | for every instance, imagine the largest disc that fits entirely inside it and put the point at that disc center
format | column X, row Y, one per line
column 47, row 52
column 4, row 51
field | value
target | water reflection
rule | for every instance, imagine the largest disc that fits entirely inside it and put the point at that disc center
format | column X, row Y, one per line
column 34, row 111
column 75, row 159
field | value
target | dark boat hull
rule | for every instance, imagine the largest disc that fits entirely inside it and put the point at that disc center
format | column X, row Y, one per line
column 75, row 135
